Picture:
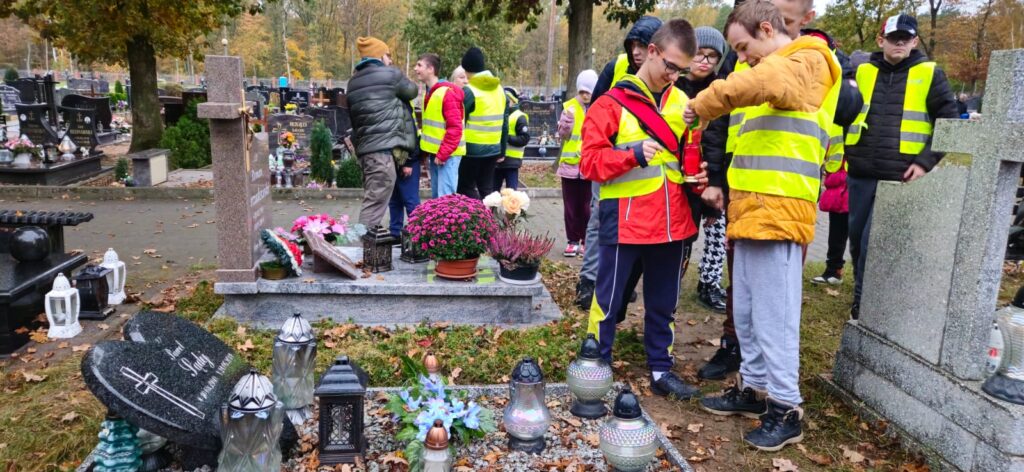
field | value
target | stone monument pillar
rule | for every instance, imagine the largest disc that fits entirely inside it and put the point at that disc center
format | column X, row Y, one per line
column 240, row 172
column 930, row 287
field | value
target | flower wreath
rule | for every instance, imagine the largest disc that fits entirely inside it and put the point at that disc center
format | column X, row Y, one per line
column 287, row 252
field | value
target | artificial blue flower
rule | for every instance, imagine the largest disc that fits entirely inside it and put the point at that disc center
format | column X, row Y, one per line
column 471, row 418
column 457, row 409
column 425, row 420
column 410, row 403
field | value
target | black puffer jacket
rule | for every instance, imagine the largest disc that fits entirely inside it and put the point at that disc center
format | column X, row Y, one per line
column 877, row 154
column 642, row 31
column 378, row 101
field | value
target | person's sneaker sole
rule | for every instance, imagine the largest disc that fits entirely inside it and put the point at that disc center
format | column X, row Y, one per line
column 834, row 281
column 665, row 394
column 793, row 440
column 819, row 280
column 746, row 414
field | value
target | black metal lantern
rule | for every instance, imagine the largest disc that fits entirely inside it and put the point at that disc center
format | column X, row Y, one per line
column 377, row 244
column 340, row 394
column 411, row 251
column 93, row 290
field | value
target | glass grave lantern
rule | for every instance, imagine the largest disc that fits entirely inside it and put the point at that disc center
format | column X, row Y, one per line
column 526, row 417
column 589, row 378
column 93, row 290
column 627, row 439
column 116, row 277
column 433, row 366
column 294, row 356
column 377, row 244
column 1008, row 382
column 436, row 455
column 341, row 394
column 251, row 425
column 411, row 251
column 67, row 148
column 62, row 305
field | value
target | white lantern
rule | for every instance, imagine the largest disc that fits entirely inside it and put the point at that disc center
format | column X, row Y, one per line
column 115, row 278
column 62, row 305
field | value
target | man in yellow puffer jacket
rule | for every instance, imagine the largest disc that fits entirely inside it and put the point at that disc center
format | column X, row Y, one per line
column 790, row 95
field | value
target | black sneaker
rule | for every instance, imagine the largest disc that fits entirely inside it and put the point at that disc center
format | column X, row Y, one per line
column 726, row 360
column 708, row 296
column 780, row 426
column 736, row 402
column 830, row 276
column 584, row 293
column 673, row 387
column 855, row 311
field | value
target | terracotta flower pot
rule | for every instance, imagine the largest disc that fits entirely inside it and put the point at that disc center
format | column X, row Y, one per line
column 459, row 269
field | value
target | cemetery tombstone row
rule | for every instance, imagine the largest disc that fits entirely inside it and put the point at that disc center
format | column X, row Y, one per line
column 916, row 355
column 26, row 88
column 299, row 97
column 543, row 126
column 10, row 97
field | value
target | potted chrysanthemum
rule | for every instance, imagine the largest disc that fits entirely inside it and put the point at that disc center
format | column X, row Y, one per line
column 453, row 230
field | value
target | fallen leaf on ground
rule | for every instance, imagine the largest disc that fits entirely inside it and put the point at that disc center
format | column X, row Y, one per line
column 695, row 427
column 392, row 458
column 832, row 292
column 851, row 455
column 39, row 336
column 248, row 346
column 455, row 373
column 819, row 459
column 240, row 331
column 62, row 345
column 783, row 465
column 30, row 377
column 81, row 347
column 69, row 417
column 574, row 422
column 103, row 326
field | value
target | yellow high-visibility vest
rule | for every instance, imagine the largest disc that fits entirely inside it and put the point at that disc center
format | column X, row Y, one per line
column 664, row 167
column 511, row 151
column 622, row 64
column 571, row 147
column 434, row 127
column 735, row 117
column 780, row 152
column 836, row 149
column 916, row 125
column 484, row 124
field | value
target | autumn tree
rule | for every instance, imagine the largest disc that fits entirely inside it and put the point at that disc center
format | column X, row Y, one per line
column 579, row 13
column 430, row 30
column 856, row 23
column 132, row 33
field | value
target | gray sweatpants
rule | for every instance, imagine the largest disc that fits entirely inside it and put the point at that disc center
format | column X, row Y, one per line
column 589, row 269
column 378, row 183
column 766, row 294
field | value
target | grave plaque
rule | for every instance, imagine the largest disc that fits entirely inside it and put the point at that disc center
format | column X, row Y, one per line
column 10, row 96
column 33, row 124
column 300, row 125
column 81, row 127
column 325, row 256
column 169, row 377
column 240, row 173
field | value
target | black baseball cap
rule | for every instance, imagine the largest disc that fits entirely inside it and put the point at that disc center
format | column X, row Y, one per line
column 901, row 22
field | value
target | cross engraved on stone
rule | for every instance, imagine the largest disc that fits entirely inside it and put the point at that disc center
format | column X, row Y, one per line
column 147, row 383
column 996, row 143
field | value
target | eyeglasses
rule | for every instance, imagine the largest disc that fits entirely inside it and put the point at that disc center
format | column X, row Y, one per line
column 672, row 68
column 708, row 58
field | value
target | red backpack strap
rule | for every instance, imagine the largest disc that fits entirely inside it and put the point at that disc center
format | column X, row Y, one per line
column 649, row 118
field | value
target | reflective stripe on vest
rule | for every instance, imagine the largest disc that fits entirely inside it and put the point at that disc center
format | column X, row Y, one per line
column 915, row 125
column 621, row 68
column 571, row 147
column 663, row 167
column 511, row 151
column 780, row 152
column 735, row 118
column 834, row 155
column 484, row 124
column 434, row 127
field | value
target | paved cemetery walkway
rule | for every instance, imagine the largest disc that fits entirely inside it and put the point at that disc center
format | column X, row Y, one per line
column 161, row 240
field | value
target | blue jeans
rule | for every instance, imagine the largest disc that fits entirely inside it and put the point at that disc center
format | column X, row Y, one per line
column 404, row 199
column 444, row 180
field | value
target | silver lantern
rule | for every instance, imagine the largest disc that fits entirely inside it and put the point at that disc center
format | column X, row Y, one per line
column 527, row 417
column 628, row 440
column 294, row 356
column 251, row 425
column 589, row 378
column 1008, row 382
column 436, row 455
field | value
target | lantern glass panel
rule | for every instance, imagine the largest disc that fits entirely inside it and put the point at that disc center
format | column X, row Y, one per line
column 59, row 309
column 341, row 424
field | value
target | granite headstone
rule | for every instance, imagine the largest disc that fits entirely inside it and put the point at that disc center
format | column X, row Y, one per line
column 34, row 124
column 81, row 127
column 300, row 125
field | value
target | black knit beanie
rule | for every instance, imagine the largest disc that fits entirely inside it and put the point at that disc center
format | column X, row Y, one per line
column 473, row 60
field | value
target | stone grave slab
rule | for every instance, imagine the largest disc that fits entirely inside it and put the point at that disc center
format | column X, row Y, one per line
column 171, row 378
column 100, row 105
column 327, row 257
column 905, row 298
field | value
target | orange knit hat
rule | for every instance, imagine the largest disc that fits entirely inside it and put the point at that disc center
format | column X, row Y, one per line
column 371, row 47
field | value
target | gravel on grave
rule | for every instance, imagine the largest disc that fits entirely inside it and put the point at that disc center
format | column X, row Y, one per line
column 570, row 441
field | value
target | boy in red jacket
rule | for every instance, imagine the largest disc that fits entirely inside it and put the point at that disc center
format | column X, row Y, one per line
column 441, row 138
column 632, row 147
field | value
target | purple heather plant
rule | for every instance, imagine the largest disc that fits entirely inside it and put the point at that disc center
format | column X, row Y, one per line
column 514, row 248
column 452, row 227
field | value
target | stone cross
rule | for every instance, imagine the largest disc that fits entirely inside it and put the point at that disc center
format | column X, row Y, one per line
column 996, row 142
column 240, row 172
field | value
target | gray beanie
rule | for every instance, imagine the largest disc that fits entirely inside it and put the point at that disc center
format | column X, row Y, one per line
column 708, row 37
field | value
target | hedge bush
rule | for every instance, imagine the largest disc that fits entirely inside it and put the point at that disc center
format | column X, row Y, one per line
column 188, row 140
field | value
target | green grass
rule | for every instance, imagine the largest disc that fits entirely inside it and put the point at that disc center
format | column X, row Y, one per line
column 539, row 175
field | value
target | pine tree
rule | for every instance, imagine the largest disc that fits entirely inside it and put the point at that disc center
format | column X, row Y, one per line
column 320, row 144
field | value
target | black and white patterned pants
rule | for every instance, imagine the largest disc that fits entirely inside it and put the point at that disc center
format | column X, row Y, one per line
column 711, row 262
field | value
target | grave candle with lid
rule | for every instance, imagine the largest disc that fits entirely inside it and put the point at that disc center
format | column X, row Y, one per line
column 527, row 417
column 251, row 425
column 294, row 358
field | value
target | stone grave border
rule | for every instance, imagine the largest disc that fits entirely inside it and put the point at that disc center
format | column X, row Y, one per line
column 673, row 455
column 170, row 193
